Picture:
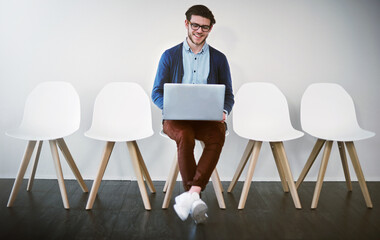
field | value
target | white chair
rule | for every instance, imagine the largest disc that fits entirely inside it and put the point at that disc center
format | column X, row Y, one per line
column 328, row 113
column 122, row 113
column 173, row 174
column 261, row 114
column 52, row 111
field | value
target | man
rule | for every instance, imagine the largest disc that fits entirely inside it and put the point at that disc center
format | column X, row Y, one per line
column 195, row 62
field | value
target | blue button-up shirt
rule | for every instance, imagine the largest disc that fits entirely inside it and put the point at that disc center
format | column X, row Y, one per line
column 196, row 66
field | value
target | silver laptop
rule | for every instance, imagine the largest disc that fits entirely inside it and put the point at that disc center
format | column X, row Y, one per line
column 193, row 101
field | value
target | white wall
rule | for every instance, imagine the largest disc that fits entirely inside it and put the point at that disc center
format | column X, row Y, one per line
column 291, row 43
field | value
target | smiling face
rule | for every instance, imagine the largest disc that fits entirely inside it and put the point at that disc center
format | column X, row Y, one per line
column 197, row 38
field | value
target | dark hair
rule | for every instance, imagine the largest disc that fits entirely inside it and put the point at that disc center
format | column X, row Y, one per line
column 200, row 10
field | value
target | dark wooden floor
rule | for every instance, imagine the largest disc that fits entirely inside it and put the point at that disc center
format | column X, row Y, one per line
column 118, row 213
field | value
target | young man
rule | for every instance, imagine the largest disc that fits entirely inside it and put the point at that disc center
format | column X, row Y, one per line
column 195, row 62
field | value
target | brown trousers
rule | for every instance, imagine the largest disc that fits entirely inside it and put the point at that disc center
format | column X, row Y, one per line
column 212, row 133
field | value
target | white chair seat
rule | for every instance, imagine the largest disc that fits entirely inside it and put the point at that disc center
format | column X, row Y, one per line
column 123, row 135
column 343, row 135
column 272, row 135
column 328, row 112
column 37, row 134
column 52, row 111
column 121, row 113
column 261, row 113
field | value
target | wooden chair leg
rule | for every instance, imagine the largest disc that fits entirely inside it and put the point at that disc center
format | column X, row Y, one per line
column 280, row 168
column 102, row 168
column 218, row 181
column 171, row 182
column 35, row 163
column 359, row 173
column 247, row 153
column 21, row 172
column 288, row 173
column 321, row 174
column 137, row 168
column 313, row 155
column 70, row 161
column 171, row 172
column 58, row 169
column 218, row 190
column 343, row 157
column 144, row 169
column 251, row 169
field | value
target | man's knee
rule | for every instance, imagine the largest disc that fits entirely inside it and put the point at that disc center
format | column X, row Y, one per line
column 217, row 137
column 185, row 138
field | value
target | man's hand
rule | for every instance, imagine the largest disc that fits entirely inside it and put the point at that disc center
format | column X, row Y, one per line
column 224, row 117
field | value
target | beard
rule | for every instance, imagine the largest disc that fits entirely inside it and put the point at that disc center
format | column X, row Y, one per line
column 190, row 36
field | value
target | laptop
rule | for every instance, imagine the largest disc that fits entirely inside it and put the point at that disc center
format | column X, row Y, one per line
column 193, row 101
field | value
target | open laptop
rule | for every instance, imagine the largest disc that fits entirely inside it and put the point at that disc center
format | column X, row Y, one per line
column 193, row 101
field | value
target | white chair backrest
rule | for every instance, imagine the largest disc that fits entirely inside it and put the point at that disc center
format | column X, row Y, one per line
column 122, row 112
column 261, row 113
column 328, row 110
column 52, row 109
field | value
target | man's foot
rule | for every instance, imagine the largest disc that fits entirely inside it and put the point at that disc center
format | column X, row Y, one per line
column 199, row 211
column 183, row 204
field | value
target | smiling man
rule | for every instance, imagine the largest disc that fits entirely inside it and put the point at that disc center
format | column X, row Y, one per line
column 195, row 62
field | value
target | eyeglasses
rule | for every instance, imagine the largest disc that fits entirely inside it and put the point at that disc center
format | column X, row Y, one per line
column 205, row 28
